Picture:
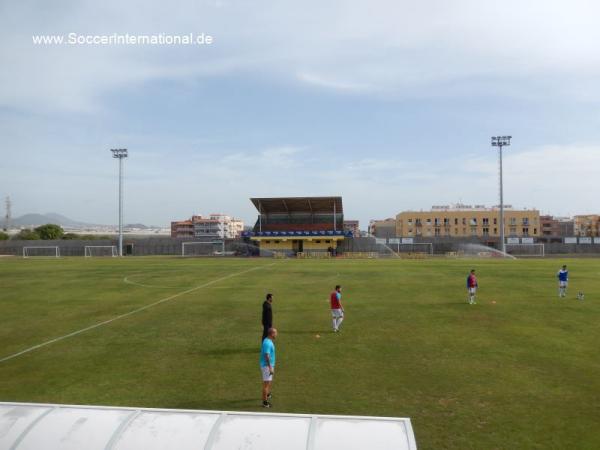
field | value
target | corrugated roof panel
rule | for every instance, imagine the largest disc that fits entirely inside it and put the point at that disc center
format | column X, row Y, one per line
column 349, row 434
column 15, row 419
column 74, row 429
column 261, row 432
column 158, row 430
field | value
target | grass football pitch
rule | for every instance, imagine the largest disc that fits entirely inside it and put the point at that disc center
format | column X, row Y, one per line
column 521, row 369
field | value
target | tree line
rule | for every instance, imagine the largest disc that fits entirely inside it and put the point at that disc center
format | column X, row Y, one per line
column 49, row 232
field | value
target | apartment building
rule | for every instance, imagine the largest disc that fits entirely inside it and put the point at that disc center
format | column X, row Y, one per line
column 467, row 221
column 352, row 226
column 215, row 226
column 586, row 225
column 555, row 228
column 382, row 228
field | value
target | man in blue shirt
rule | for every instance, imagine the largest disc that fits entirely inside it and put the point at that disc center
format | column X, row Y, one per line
column 267, row 365
column 563, row 281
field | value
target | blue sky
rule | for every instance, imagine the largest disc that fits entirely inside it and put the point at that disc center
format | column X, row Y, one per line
column 390, row 104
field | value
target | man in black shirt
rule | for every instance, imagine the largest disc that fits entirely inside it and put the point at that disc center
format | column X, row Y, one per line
column 267, row 316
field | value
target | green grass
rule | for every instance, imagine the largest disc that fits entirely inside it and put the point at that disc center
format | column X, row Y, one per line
column 523, row 372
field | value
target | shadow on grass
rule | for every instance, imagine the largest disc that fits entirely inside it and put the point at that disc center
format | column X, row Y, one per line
column 303, row 332
column 229, row 351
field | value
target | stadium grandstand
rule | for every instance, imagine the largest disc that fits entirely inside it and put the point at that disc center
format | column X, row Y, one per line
column 300, row 226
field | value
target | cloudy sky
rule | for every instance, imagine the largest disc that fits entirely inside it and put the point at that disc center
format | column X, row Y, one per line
column 390, row 104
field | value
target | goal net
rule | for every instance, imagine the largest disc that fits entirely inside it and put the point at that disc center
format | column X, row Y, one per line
column 209, row 248
column 45, row 251
column 525, row 250
column 100, row 250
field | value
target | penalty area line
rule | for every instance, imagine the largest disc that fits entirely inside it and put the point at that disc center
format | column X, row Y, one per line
column 130, row 313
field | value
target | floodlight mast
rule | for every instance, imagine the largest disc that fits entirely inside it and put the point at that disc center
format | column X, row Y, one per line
column 120, row 153
column 501, row 141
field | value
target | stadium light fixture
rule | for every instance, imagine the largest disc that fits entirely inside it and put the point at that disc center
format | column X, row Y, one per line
column 120, row 153
column 501, row 141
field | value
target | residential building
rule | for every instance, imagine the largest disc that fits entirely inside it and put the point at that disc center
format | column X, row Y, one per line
column 352, row 226
column 382, row 228
column 468, row 221
column 215, row 226
column 586, row 225
column 554, row 229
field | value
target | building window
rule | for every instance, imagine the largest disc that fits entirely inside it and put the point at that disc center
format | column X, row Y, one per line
column 513, row 220
column 486, row 231
column 495, row 221
column 495, row 230
column 317, row 242
column 535, row 231
column 464, row 231
column 464, row 221
column 428, row 221
column 473, row 221
column 437, row 231
column 456, row 231
column 525, row 231
column 525, row 221
column 327, row 242
column 267, row 242
column 456, row 221
column 473, row 231
column 409, row 220
column 513, row 231
column 418, row 222
column 446, row 221
column 486, row 221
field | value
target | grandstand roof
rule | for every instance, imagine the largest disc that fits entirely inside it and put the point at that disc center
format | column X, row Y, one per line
column 31, row 426
column 287, row 205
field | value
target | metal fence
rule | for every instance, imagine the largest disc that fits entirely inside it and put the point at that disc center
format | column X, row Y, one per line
column 241, row 247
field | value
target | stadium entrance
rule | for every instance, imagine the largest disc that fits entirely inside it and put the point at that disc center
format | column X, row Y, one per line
column 298, row 226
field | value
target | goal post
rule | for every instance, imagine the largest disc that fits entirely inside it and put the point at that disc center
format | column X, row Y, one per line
column 534, row 250
column 41, row 251
column 204, row 248
column 100, row 250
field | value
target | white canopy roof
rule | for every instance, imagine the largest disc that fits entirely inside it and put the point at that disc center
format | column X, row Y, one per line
column 26, row 426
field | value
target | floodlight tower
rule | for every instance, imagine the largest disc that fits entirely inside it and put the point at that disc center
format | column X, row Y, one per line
column 8, row 215
column 501, row 141
column 120, row 153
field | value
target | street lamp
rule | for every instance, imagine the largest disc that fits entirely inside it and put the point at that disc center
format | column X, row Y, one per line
column 501, row 141
column 120, row 153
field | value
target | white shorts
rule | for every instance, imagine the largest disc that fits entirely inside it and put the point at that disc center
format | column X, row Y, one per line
column 266, row 375
column 472, row 290
column 337, row 313
column 563, row 284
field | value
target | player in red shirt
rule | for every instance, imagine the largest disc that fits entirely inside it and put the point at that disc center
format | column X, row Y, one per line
column 337, row 310
column 472, row 287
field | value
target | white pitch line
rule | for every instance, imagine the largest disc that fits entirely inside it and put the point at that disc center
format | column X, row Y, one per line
column 135, row 311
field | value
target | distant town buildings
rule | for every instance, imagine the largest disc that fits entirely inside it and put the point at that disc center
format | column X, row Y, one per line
column 385, row 228
column 554, row 229
column 467, row 221
column 215, row 226
column 352, row 226
column 587, row 225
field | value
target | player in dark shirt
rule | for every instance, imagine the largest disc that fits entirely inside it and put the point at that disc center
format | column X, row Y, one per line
column 267, row 316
